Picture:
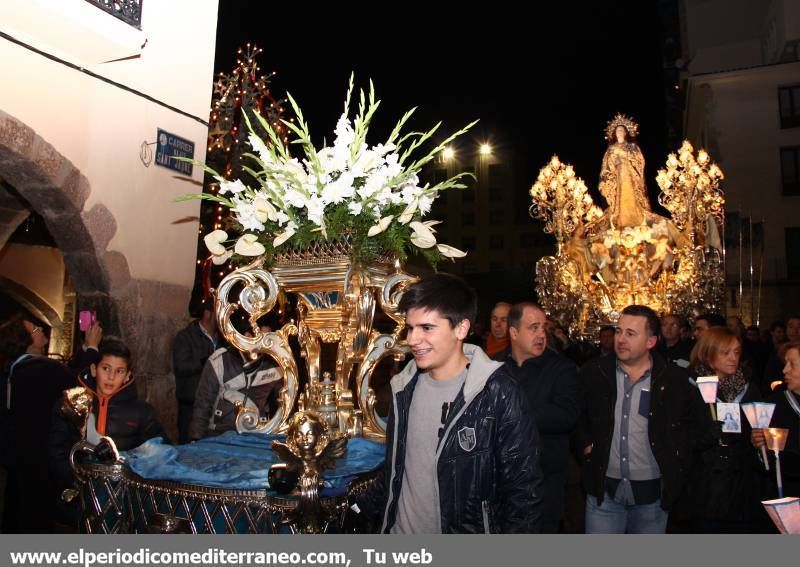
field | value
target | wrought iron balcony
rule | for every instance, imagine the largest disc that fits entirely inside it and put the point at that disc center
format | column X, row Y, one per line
column 129, row 11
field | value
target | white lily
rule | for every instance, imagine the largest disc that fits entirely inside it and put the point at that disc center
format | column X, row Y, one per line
column 423, row 234
column 425, row 203
column 355, row 207
column 233, row 187
column 213, row 241
column 248, row 245
column 381, row 225
column 450, row 252
column 283, row 237
column 365, row 161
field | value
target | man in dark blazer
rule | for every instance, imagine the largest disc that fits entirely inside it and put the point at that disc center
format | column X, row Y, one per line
column 549, row 381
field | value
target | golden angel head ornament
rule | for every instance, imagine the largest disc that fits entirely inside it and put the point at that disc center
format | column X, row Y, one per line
column 626, row 122
column 308, row 434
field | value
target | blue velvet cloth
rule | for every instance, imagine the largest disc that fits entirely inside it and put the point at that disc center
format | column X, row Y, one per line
column 241, row 462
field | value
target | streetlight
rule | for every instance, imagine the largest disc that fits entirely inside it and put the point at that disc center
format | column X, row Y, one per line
column 448, row 154
column 485, row 149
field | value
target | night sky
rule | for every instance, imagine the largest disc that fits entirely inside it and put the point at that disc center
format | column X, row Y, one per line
column 542, row 83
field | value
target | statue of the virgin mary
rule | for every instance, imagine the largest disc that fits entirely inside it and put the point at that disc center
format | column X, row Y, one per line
column 622, row 175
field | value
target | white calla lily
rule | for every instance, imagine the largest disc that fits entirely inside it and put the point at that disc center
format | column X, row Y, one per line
column 408, row 214
column 219, row 259
column 381, row 225
column 283, row 237
column 248, row 245
column 423, row 234
column 450, row 252
column 213, row 241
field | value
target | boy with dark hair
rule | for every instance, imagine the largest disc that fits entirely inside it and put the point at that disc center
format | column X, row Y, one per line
column 116, row 411
column 462, row 451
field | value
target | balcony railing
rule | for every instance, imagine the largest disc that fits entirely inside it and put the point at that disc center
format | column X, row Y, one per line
column 129, row 11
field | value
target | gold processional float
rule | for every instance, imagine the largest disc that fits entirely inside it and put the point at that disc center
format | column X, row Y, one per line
column 629, row 254
column 329, row 233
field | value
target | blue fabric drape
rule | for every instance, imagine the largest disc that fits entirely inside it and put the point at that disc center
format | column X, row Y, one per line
column 240, row 461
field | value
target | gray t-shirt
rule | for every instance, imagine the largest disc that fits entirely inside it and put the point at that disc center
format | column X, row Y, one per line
column 417, row 509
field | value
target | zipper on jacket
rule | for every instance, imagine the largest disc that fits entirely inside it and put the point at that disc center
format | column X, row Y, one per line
column 486, row 524
column 102, row 414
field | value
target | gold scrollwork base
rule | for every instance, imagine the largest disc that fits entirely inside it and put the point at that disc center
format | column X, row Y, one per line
column 336, row 303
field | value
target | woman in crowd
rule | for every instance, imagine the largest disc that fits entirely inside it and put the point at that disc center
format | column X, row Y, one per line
column 32, row 383
column 722, row 487
column 787, row 415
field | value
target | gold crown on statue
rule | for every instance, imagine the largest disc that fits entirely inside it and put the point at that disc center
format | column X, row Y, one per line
column 621, row 120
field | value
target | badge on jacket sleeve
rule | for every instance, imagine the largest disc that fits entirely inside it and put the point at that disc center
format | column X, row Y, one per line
column 466, row 438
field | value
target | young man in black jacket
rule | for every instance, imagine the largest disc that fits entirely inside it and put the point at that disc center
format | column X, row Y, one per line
column 462, row 451
column 640, row 420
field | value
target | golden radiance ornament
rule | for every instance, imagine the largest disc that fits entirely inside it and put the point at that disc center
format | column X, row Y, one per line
column 621, row 120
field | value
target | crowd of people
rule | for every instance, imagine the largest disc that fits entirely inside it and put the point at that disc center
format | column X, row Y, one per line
column 523, row 430
column 620, row 425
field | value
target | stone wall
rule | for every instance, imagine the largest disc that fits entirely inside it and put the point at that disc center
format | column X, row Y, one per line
column 146, row 314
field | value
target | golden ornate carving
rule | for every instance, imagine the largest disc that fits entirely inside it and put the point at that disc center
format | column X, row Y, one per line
column 76, row 407
column 336, row 303
column 310, row 448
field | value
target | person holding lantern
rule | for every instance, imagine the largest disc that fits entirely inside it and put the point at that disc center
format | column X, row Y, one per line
column 722, row 487
column 786, row 416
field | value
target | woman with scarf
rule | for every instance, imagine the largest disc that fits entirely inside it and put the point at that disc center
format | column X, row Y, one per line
column 723, row 484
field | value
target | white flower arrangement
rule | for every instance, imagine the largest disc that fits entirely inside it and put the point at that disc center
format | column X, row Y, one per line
column 370, row 194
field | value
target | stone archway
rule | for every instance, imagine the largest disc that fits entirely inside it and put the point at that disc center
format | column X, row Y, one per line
column 146, row 314
column 53, row 187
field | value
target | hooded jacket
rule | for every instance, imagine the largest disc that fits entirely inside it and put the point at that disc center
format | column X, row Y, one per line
column 488, row 477
column 226, row 382
column 128, row 420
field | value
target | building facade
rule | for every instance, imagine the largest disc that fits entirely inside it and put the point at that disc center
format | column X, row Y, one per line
column 87, row 88
column 741, row 81
column 489, row 220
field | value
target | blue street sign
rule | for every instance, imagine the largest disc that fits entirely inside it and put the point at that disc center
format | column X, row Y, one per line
column 170, row 146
